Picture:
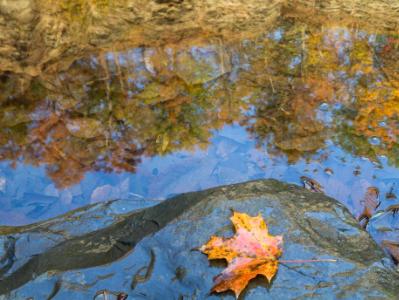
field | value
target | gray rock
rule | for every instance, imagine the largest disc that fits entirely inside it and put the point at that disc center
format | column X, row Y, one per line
column 163, row 264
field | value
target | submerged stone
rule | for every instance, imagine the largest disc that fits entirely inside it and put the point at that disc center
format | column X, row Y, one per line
column 149, row 254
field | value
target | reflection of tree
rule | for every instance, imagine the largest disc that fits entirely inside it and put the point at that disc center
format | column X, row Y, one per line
column 292, row 88
column 289, row 119
column 105, row 112
column 108, row 110
column 370, row 125
column 332, row 65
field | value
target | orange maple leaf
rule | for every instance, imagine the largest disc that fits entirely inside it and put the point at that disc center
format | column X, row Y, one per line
column 250, row 252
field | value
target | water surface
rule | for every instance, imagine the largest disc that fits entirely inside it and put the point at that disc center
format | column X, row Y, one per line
column 301, row 97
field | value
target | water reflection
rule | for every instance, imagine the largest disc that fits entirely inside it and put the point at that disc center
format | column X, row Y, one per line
column 149, row 122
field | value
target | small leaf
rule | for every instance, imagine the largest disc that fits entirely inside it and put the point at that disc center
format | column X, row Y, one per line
column 311, row 184
column 165, row 142
column 370, row 203
column 393, row 208
column 390, row 195
column 114, row 295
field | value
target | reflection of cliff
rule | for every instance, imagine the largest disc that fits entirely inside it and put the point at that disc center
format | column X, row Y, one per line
column 37, row 36
column 105, row 110
column 48, row 34
column 374, row 15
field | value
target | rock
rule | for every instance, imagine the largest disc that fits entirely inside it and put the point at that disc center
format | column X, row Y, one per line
column 109, row 192
column 384, row 226
column 3, row 183
column 163, row 264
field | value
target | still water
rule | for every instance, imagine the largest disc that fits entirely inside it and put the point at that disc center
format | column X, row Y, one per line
column 144, row 122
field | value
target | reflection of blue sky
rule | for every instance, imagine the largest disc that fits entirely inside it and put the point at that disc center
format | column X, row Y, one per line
column 27, row 194
column 277, row 35
column 294, row 62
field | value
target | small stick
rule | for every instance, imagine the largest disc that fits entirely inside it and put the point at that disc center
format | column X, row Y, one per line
column 271, row 83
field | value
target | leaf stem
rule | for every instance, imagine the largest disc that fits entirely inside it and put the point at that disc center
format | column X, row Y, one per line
column 300, row 261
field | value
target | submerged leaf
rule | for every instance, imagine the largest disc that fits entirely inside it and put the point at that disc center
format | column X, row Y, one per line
column 392, row 248
column 311, row 184
column 393, row 208
column 370, row 203
column 250, row 252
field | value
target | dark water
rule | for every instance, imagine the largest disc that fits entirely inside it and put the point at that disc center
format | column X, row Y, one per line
column 144, row 123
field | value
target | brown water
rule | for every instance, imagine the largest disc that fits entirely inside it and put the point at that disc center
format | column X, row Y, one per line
column 102, row 101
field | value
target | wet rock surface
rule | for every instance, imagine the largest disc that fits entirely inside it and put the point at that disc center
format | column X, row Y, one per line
column 149, row 254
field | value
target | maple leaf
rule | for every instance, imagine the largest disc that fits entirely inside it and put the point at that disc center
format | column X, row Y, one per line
column 250, row 252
